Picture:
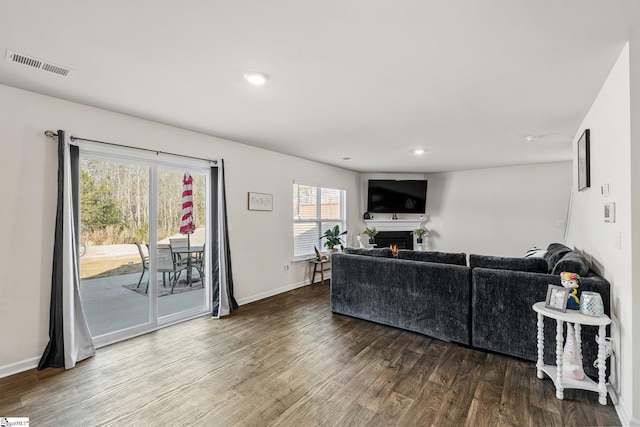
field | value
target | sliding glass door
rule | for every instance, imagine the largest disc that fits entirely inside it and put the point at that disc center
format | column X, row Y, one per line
column 181, row 288
column 137, row 271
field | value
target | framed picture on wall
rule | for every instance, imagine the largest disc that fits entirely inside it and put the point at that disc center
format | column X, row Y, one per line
column 584, row 173
column 260, row 202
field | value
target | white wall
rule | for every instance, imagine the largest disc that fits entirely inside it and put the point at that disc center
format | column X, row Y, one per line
column 611, row 163
column 498, row 211
column 261, row 242
column 634, row 159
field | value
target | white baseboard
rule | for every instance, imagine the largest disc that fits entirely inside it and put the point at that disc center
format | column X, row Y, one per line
column 273, row 292
column 17, row 367
column 624, row 415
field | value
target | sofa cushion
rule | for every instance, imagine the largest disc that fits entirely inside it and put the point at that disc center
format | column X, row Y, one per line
column 439, row 257
column 531, row 265
column 379, row 252
column 572, row 262
column 555, row 252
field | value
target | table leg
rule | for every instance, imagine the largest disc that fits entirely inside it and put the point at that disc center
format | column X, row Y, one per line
column 322, row 273
column 313, row 274
column 578, row 330
column 559, row 352
column 189, row 270
column 540, row 346
column 602, row 387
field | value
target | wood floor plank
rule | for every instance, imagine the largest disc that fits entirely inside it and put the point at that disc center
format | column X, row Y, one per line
column 484, row 409
column 515, row 404
column 288, row 361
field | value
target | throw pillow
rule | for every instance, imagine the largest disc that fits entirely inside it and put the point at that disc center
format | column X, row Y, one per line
column 572, row 262
column 535, row 253
column 439, row 257
column 555, row 252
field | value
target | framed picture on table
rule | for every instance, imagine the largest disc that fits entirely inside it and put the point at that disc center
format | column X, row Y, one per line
column 557, row 298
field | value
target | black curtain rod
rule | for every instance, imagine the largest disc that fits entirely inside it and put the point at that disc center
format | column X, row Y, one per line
column 52, row 134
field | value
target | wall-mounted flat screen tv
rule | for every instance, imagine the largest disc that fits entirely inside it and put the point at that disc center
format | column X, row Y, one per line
column 397, row 196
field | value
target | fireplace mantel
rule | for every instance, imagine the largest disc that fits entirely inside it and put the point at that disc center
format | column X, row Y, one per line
column 394, row 224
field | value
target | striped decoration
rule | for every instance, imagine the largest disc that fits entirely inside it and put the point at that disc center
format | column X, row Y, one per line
column 187, row 226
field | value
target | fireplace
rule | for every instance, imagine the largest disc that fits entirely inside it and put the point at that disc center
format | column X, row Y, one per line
column 402, row 239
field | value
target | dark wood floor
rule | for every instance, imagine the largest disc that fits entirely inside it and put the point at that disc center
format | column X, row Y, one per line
column 288, row 361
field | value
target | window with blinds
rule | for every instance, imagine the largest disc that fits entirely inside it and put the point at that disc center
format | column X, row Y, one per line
column 315, row 210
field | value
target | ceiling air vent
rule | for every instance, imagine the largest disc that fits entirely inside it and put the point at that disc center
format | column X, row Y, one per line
column 30, row 61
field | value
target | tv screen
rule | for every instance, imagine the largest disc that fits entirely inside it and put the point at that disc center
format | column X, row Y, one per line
column 397, row 196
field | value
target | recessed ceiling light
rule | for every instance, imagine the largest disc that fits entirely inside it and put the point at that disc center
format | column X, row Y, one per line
column 532, row 138
column 418, row 151
column 347, row 159
column 256, row 78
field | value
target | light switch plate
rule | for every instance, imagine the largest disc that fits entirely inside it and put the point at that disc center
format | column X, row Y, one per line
column 610, row 212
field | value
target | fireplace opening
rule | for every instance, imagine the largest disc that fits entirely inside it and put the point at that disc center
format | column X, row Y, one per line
column 402, row 239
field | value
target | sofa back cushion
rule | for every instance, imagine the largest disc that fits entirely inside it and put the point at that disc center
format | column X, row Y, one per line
column 377, row 252
column 572, row 262
column 439, row 257
column 530, row 265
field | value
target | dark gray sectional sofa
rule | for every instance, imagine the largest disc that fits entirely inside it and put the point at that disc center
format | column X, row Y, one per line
column 421, row 296
column 503, row 291
column 486, row 305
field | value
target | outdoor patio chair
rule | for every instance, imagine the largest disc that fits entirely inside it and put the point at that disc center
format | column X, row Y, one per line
column 181, row 259
column 145, row 263
column 198, row 263
column 167, row 264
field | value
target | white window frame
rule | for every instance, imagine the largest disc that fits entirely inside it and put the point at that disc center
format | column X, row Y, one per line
column 342, row 220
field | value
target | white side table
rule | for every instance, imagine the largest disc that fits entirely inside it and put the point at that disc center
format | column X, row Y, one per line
column 556, row 372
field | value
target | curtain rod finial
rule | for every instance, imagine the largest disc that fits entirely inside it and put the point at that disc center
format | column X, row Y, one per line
column 50, row 133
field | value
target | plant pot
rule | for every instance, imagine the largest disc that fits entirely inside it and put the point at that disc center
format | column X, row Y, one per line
column 372, row 241
column 419, row 240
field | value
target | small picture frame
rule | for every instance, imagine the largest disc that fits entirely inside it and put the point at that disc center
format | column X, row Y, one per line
column 557, row 298
column 260, row 202
column 584, row 158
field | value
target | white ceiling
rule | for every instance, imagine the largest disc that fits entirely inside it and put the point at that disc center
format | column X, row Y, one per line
column 467, row 80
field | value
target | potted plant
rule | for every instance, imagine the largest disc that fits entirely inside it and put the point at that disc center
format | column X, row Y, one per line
column 371, row 232
column 333, row 237
column 419, row 232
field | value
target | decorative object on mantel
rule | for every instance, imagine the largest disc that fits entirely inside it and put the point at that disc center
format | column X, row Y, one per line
column 371, row 232
column 584, row 158
column 571, row 282
column 367, row 215
column 359, row 239
column 419, row 232
column 591, row 304
column 333, row 237
column 260, row 202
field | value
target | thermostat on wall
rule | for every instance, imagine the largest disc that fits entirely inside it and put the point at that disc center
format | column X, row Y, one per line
column 610, row 212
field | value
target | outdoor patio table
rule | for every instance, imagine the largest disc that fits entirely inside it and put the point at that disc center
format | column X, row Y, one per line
column 191, row 250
